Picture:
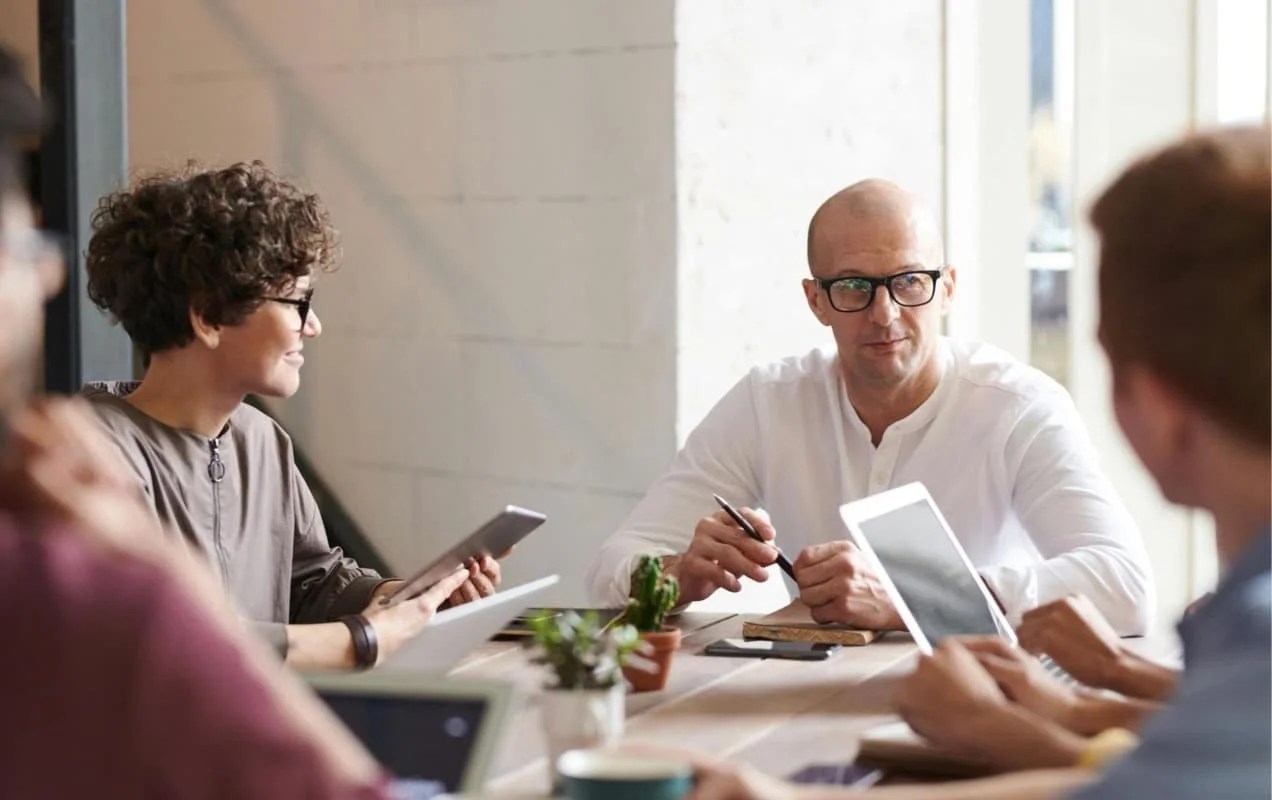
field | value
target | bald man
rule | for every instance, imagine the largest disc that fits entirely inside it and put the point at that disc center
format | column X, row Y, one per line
column 997, row 443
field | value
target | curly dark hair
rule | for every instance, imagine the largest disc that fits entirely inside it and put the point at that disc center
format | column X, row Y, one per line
column 213, row 241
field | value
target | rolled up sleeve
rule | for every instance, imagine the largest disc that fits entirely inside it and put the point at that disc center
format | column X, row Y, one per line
column 1087, row 539
column 325, row 585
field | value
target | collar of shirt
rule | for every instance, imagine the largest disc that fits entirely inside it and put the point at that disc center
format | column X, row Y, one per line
column 917, row 418
column 118, row 390
column 1215, row 619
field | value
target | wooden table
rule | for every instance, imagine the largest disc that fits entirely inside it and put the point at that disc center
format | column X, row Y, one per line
column 778, row 715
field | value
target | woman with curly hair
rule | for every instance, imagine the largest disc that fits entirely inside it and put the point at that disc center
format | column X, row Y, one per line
column 212, row 275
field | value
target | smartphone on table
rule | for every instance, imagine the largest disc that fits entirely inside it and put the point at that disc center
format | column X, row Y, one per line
column 763, row 648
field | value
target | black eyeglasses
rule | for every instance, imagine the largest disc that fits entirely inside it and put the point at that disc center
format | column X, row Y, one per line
column 302, row 304
column 856, row 293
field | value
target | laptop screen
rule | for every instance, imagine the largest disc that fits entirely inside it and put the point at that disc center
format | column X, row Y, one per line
column 421, row 741
column 929, row 573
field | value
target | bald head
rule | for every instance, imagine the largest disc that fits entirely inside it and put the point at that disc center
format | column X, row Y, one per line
column 870, row 215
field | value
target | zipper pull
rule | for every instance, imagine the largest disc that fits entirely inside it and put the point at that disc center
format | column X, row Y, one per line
column 216, row 467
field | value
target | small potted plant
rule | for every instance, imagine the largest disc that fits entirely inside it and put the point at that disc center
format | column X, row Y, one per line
column 654, row 594
column 583, row 706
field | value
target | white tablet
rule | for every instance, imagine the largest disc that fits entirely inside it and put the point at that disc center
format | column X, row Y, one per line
column 500, row 533
column 453, row 633
column 925, row 571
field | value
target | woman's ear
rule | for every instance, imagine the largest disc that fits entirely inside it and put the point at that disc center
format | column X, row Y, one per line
column 207, row 334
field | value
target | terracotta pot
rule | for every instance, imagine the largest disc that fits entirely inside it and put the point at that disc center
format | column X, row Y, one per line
column 664, row 644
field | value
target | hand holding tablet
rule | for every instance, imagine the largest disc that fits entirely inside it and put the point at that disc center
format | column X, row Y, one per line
column 494, row 538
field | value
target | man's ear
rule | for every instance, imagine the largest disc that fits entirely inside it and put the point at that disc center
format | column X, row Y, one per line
column 1170, row 413
column 1155, row 417
column 207, row 334
column 814, row 295
column 949, row 280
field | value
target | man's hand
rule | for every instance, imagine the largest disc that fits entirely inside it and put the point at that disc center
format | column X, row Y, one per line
column 720, row 553
column 946, row 690
column 952, row 701
column 395, row 625
column 483, row 581
column 837, row 585
column 1026, row 681
column 1077, row 637
column 723, row 781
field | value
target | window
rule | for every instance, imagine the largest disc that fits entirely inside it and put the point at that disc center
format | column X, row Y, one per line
column 1050, row 255
column 1241, row 54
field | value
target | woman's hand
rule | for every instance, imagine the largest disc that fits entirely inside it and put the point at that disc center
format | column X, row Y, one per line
column 397, row 624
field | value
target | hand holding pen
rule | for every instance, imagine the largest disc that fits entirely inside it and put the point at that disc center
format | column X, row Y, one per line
column 720, row 554
column 749, row 530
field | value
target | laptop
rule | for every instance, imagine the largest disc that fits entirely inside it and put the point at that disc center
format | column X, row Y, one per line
column 435, row 735
column 455, row 632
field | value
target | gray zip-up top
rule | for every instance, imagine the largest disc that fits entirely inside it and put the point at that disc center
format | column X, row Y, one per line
column 240, row 500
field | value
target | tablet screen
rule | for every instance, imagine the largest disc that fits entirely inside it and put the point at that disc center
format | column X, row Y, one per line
column 418, row 739
column 944, row 596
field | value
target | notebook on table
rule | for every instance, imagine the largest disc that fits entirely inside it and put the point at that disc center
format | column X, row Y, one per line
column 795, row 623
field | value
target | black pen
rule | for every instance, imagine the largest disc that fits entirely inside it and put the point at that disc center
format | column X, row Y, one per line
column 782, row 560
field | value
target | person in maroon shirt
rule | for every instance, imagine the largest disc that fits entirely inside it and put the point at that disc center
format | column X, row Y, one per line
column 126, row 672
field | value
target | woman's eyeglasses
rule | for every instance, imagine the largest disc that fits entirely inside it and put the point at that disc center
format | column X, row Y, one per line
column 302, row 304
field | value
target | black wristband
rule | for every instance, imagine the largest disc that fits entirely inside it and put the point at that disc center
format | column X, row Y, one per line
column 366, row 646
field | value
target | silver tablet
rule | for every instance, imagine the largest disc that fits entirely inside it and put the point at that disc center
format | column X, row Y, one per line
column 499, row 534
column 923, row 568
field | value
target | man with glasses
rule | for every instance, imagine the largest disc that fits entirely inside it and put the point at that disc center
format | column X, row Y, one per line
column 211, row 273
column 997, row 443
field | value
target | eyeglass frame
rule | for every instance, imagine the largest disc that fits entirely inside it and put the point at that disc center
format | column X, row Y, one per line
column 885, row 282
column 302, row 304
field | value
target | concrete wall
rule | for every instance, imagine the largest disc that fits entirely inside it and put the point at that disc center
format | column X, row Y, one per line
column 569, row 225
column 779, row 105
column 502, row 176
column 564, row 231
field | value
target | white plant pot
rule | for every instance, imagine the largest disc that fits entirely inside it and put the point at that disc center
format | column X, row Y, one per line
column 576, row 718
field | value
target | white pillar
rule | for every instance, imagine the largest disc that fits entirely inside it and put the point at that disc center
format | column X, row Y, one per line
column 986, row 164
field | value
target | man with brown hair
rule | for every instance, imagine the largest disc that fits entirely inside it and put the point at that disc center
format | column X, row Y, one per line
column 1185, row 294
column 1185, row 301
column 1185, row 287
